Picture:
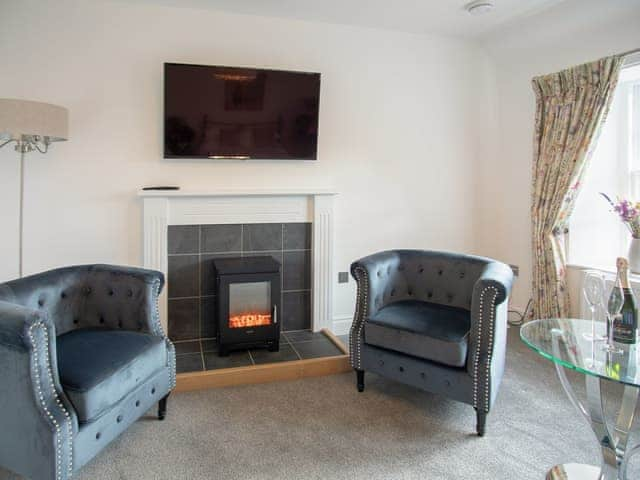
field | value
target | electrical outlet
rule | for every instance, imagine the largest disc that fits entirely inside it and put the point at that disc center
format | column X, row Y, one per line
column 343, row 277
column 515, row 269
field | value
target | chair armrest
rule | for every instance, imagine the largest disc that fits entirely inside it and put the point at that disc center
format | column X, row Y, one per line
column 487, row 336
column 15, row 322
column 38, row 422
column 497, row 276
column 372, row 276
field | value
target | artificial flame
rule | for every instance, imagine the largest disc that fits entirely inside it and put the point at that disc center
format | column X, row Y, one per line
column 245, row 320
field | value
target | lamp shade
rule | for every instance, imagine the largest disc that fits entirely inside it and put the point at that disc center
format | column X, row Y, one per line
column 25, row 117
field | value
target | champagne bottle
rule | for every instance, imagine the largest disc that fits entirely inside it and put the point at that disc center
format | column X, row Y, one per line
column 625, row 325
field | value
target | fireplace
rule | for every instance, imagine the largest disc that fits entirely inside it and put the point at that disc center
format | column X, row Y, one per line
column 248, row 292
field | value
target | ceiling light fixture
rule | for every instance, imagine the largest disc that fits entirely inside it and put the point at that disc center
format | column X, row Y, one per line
column 479, row 7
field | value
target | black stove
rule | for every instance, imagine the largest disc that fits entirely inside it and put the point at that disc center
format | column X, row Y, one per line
column 248, row 293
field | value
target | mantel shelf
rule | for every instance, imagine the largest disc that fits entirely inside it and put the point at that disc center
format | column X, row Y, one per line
column 238, row 192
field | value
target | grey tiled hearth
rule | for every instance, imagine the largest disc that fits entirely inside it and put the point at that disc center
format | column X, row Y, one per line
column 191, row 282
column 200, row 355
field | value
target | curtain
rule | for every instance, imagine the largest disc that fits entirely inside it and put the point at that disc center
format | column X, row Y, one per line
column 570, row 108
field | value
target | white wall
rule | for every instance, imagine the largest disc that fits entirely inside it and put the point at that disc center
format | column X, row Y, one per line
column 401, row 132
column 568, row 34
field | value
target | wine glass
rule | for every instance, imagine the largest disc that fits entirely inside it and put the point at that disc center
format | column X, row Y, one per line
column 594, row 291
column 614, row 307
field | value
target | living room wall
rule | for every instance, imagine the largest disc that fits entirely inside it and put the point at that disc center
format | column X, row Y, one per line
column 402, row 132
column 570, row 33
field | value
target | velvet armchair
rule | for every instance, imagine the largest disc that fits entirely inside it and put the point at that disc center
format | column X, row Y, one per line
column 82, row 357
column 436, row 321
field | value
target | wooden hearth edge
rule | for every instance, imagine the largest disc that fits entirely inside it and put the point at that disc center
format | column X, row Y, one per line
column 270, row 372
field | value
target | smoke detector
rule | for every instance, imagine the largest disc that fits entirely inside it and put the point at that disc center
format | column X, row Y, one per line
column 479, row 7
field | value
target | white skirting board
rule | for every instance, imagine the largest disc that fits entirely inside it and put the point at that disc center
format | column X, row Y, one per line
column 342, row 324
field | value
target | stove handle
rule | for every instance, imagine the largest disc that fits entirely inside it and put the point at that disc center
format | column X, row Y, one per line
column 275, row 314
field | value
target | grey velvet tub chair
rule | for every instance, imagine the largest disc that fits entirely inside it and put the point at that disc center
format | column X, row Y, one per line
column 82, row 357
column 433, row 320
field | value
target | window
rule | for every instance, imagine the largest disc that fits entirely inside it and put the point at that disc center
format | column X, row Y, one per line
column 596, row 236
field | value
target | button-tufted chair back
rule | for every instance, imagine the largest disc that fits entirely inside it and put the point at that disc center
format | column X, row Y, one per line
column 436, row 277
column 458, row 352
column 88, row 296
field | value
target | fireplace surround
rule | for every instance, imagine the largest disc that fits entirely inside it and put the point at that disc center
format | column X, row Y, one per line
column 246, row 206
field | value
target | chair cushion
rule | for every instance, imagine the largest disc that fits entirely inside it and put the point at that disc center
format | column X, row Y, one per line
column 425, row 330
column 99, row 367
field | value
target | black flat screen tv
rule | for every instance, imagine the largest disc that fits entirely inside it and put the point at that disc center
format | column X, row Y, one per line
column 240, row 113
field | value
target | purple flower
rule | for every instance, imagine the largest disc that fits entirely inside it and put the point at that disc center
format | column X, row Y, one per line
column 626, row 210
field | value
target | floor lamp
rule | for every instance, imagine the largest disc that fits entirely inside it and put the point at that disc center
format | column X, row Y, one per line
column 31, row 126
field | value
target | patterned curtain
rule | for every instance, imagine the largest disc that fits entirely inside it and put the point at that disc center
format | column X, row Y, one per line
column 570, row 108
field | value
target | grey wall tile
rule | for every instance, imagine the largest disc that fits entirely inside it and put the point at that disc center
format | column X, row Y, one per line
column 262, row 236
column 208, row 317
column 296, row 270
column 187, row 347
column 221, row 238
column 183, row 276
column 209, row 346
column 213, row 361
column 183, row 239
column 184, row 319
column 296, row 311
column 297, row 236
column 191, row 362
column 285, row 354
column 303, row 336
column 317, row 348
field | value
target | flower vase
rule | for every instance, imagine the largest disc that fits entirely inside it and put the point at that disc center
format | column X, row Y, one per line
column 634, row 255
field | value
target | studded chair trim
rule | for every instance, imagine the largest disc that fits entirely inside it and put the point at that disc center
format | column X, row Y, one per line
column 481, row 371
column 156, row 328
column 49, row 397
column 356, row 334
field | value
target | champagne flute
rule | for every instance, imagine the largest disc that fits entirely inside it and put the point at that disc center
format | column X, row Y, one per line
column 594, row 291
column 614, row 307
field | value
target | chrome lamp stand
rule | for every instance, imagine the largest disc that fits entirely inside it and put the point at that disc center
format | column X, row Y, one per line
column 24, row 145
column 31, row 126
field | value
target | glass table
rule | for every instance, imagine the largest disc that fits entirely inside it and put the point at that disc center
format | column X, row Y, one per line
column 563, row 342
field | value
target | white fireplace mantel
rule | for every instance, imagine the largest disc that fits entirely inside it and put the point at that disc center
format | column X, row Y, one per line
column 162, row 208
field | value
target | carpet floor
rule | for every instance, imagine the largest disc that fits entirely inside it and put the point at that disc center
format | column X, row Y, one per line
column 322, row 428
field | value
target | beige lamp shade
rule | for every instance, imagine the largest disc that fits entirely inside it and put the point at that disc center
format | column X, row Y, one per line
column 27, row 118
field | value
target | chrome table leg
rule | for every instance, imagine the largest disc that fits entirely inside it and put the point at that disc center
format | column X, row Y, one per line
column 613, row 447
column 625, row 462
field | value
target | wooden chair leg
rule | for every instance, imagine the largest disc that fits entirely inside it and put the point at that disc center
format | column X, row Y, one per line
column 482, row 421
column 162, row 407
column 360, row 380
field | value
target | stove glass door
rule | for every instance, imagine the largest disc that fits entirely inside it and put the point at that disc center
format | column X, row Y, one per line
column 249, row 304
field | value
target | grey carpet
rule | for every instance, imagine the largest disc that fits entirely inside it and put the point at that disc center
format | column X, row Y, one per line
column 323, row 429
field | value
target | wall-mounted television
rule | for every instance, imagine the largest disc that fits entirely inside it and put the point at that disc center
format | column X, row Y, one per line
column 222, row 112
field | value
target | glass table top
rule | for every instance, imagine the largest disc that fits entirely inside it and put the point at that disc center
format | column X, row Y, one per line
column 574, row 351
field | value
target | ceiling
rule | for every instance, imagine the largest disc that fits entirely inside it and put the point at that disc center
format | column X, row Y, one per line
column 446, row 17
